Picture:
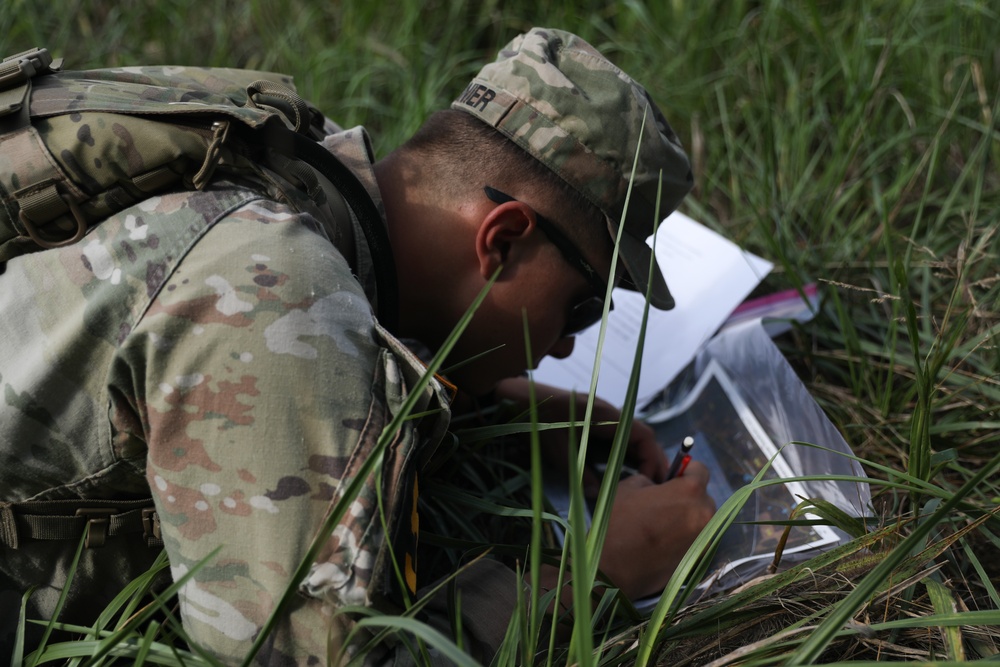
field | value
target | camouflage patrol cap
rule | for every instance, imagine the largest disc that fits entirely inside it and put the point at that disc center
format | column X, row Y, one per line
column 559, row 99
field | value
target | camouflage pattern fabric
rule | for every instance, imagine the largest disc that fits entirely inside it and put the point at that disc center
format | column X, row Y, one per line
column 217, row 348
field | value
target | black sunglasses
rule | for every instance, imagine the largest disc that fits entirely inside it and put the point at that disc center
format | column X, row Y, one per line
column 591, row 309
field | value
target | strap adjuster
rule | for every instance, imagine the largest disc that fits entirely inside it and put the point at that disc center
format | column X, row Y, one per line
column 98, row 523
column 18, row 68
column 151, row 525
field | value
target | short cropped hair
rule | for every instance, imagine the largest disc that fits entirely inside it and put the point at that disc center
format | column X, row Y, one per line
column 464, row 154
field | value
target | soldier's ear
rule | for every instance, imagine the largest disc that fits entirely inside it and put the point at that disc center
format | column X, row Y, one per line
column 499, row 231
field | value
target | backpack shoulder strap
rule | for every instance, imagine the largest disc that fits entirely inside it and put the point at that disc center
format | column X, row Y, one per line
column 369, row 219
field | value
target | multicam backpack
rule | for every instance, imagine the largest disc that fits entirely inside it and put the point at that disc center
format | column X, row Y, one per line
column 79, row 146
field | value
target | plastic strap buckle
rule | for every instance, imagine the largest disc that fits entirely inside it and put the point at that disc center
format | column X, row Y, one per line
column 98, row 523
column 20, row 67
column 151, row 526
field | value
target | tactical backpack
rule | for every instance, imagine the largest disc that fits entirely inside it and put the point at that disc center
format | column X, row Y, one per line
column 79, row 146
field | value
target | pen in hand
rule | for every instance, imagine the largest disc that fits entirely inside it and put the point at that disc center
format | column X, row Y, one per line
column 682, row 459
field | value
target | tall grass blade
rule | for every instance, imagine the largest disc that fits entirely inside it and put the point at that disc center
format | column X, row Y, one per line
column 33, row 658
column 17, row 654
column 692, row 566
column 814, row 645
column 112, row 641
column 425, row 633
column 944, row 605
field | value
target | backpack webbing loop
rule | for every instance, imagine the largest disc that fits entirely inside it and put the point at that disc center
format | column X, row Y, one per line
column 46, row 204
column 264, row 94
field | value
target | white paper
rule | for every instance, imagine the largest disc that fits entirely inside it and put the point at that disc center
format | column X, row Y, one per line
column 708, row 276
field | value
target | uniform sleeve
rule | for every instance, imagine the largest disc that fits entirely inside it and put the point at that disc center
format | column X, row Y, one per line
column 261, row 384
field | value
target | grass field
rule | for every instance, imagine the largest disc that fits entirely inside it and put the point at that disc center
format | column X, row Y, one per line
column 853, row 143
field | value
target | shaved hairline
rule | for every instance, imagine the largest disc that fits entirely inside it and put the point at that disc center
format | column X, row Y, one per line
column 459, row 154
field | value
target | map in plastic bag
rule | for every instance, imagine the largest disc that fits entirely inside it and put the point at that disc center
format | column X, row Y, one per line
column 731, row 442
column 744, row 406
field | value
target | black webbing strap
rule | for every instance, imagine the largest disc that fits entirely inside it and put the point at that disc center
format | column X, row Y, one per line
column 361, row 203
column 68, row 519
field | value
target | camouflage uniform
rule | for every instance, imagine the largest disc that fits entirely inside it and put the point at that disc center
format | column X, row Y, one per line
column 220, row 348
column 217, row 348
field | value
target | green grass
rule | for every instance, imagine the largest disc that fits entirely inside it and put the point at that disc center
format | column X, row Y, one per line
column 853, row 143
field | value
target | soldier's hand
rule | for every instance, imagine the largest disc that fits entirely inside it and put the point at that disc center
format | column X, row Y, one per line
column 652, row 526
column 556, row 405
